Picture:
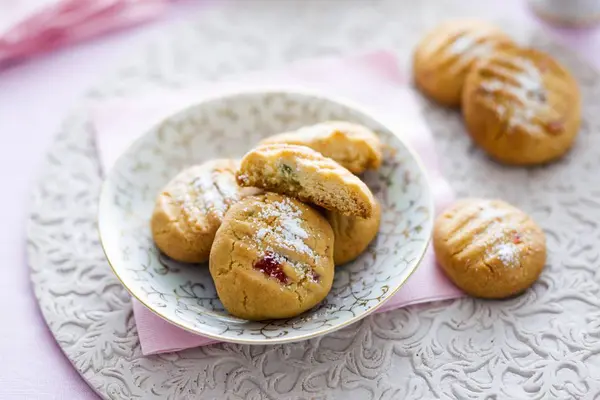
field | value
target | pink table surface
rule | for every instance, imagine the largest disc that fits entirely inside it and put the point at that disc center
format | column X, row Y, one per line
column 34, row 98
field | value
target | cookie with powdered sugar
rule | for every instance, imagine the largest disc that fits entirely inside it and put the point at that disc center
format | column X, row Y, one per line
column 444, row 56
column 522, row 106
column 190, row 208
column 489, row 248
column 272, row 258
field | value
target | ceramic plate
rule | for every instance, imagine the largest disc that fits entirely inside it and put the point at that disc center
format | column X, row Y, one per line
column 229, row 126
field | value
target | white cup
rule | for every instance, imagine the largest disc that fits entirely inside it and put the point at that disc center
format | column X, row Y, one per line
column 577, row 13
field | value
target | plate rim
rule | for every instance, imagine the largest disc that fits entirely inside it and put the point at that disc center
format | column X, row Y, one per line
column 275, row 90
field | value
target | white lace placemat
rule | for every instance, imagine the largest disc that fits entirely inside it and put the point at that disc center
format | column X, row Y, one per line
column 543, row 344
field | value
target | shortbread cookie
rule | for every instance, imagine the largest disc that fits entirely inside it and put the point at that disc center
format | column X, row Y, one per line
column 353, row 234
column 355, row 147
column 444, row 56
column 522, row 107
column 272, row 258
column 301, row 172
column 190, row 209
column 489, row 248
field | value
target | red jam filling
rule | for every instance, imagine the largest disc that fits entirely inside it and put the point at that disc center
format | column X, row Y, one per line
column 516, row 238
column 555, row 127
column 269, row 265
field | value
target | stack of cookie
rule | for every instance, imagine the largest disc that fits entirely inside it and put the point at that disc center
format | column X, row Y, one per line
column 274, row 225
column 522, row 107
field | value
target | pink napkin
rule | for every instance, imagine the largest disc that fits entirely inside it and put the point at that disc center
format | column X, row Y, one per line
column 373, row 80
column 28, row 27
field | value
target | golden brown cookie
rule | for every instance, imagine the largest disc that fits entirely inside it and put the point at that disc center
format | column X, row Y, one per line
column 521, row 106
column 353, row 234
column 489, row 248
column 443, row 57
column 272, row 258
column 355, row 147
column 190, row 209
column 303, row 173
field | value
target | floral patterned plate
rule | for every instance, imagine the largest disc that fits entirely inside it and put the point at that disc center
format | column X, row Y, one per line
column 228, row 126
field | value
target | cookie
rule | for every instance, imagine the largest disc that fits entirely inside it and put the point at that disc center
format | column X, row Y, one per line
column 190, row 208
column 353, row 234
column 489, row 248
column 353, row 146
column 522, row 107
column 303, row 173
column 272, row 258
column 444, row 56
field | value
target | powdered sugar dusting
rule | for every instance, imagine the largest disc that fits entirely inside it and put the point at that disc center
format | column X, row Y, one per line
column 276, row 256
column 530, row 80
column 496, row 234
column 225, row 182
column 208, row 194
column 261, row 233
column 527, row 94
column 481, row 49
column 209, row 191
column 289, row 225
column 507, row 253
column 461, row 44
column 301, row 269
column 292, row 226
column 285, row 224
column 468, row 47
column 493, row 86
column 492, row 213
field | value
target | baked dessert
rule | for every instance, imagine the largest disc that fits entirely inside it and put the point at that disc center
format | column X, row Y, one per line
column 489, row 248
column 444, row 56
column 272, row 258
column 353, row 146
column 522, row 106
column 353, row 234
column 190, row 208
column 303, row 173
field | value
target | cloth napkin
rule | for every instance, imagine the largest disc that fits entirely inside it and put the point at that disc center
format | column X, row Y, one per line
column 374, row 80
column 28, row 27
